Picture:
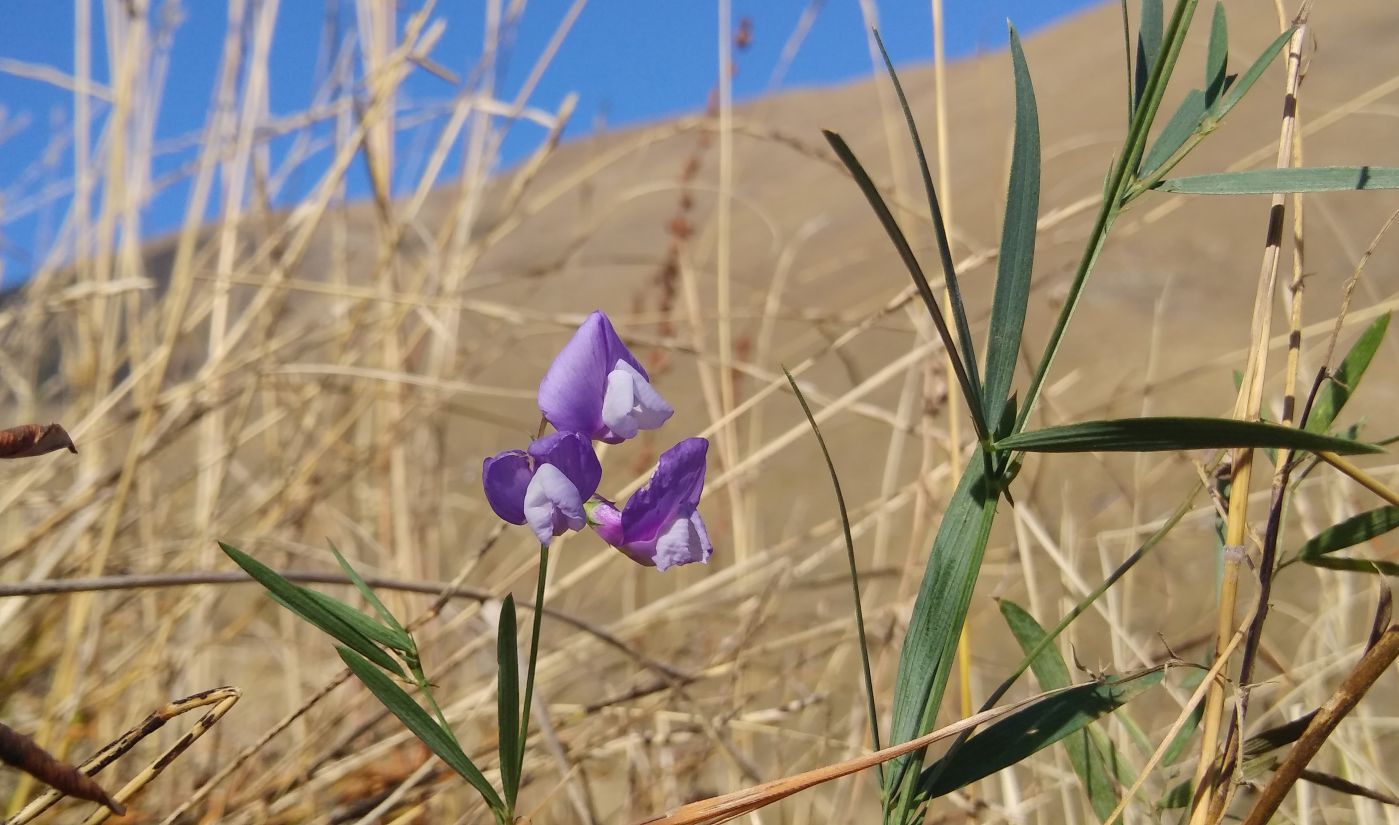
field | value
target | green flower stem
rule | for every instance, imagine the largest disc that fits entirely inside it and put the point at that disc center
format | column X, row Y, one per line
column 1118, row 184
column 533, row 651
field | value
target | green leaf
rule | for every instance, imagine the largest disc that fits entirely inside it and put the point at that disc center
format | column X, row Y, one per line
column 508, row 701
column 417, row 720
column 1171, row 433
column 368, row 593
column 926, row 659
column 967, row 355
column 1149, row 35
column 1349, row 533
column 1236, row 91
column 1178, row 796
column 1291, row 179
column 1176, row 132
column 1017, row 258
column 305, row 604
column 1034, row 728
column 1217, row 58
column 1085, row 755
column 970, row 391
column 1334, row 394
column 366, row 626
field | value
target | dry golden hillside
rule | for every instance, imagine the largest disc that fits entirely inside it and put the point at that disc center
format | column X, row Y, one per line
column 338, row 371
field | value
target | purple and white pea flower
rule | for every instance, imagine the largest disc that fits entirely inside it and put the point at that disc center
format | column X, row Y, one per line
column 546, row 486
column 597, row 387
column 660, row 526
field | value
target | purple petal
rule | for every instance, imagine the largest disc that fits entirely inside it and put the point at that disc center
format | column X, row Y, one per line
column 673, row 491
column 572, row 454
column 606, row 520
column 552, row 505
column 685, row 541
column 570, row 396
column 504, row 478
column 631, row 404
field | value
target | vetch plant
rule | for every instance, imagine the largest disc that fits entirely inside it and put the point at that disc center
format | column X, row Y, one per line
column 1001, row 416
column 595, row 389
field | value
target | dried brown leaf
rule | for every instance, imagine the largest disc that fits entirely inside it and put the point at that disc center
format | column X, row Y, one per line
column 19, row 751
column 28, row 440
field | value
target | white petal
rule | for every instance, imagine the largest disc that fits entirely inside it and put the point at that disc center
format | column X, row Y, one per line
column 631, row 403
column 619, row 401
column 683, row 542
column 552, row 504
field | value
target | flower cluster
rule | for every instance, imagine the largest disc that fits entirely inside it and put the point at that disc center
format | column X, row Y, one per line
column 597, row 390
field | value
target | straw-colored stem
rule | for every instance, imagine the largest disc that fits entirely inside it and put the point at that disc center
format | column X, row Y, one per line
column 1247, row 408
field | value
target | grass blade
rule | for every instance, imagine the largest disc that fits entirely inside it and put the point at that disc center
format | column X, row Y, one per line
column 508, row 701
column 949, row 269
column 872, row 710
column 925, row 661
column 1090, row 758
column 1035, row 728
column 413, row 717
column 1170, row 433
column 1217, row 57
column 1286, row 180
column 1334, row 394
column 1017, row 258
column 896, row 235
column 305, row 604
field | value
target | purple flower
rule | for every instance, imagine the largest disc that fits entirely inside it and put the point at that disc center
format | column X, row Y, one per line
column 660, row 526
column 597, row 387
column 548, row 492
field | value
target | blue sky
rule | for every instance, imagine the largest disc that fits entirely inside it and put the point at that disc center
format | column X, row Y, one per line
column 630, row 61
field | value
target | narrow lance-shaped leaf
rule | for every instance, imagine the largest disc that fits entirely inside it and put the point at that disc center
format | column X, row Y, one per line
column 1217, row 57
column 1177, row 131
column 366, row 591
column 1017, row 258
column 413, row 717
column 1285, row 180
column 300, row 601
column 886, row 218
column 1032, row 729
column 1169, row 433
column 872, row 709
column 508, row 701
column 370, row 629
column 1052, row 672
column 1352, row 531
column 1334, row 394
column 1236, row 91
column 1149, row 35
column 925, row 661
column 967, row 356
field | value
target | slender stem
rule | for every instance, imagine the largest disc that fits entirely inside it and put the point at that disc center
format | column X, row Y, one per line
column 1118, row 182
column 533, row 650
column 425, row 687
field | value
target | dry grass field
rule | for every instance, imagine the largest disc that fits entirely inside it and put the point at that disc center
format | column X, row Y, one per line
column 336, row 371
